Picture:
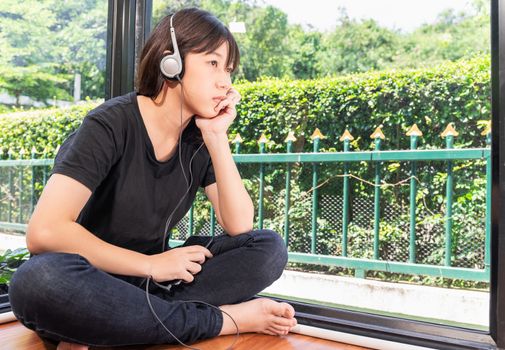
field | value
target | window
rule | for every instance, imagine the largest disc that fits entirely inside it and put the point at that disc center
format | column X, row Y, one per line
column 295, row 52
column 52, row 55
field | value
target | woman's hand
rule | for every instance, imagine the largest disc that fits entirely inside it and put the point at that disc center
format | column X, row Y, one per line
column 225, row 114
column 178, row 263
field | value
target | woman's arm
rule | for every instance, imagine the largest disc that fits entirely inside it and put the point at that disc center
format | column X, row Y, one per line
column 232, row 204
column 52, row 228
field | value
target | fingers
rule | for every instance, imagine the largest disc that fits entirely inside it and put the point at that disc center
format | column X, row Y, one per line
column 187, row 277
column 223, row 104
column 199, row 249
column 231, row 100
column 194, row 268
column 234, row 95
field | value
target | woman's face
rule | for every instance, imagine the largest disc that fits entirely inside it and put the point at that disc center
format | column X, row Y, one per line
column 206, row 81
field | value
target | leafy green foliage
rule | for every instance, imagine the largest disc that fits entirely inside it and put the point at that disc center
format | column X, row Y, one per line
column 456, row 92
column 43, row 129
column 44, row 43
column 432, row 97
column 10, row 261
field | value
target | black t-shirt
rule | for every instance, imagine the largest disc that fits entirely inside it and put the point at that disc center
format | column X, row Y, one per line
column 132, row 192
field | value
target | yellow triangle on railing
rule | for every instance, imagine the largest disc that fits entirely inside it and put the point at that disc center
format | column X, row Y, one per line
column 263, row 139
column 346, row 136
column 449, row 131
column 378, row 133
column 414, row 131
column 290, row 137
column 317, row 134
column 487, row 129
column 237, row 139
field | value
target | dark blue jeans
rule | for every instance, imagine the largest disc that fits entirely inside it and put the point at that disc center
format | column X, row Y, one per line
column 64, row 298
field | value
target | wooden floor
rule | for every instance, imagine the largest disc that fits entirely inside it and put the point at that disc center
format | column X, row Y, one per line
column 14, row 336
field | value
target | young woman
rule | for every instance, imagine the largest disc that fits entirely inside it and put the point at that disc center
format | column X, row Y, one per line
column 122, row 181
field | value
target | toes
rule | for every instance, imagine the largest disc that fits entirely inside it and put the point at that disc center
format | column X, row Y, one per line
column 284, row 322
column 269, row 332
column 289, row 311
column 280, row 330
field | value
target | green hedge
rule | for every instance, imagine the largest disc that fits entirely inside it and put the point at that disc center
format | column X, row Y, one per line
column 454, row 92
column 42, row 129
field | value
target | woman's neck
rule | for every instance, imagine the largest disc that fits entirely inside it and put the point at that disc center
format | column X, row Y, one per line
column 165, row 110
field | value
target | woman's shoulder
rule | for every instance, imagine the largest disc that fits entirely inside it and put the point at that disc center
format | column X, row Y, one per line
column 116, row 106
column 117, row 112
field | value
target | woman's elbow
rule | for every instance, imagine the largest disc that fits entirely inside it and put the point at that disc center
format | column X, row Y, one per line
column 239, row 228
column 36, row 236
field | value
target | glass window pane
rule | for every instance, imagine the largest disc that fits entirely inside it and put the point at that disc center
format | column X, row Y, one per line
column 405, row 235
column 52, row 56
column 52, row 52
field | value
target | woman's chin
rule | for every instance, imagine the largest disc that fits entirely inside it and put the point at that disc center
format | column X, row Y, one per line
column 208, row 114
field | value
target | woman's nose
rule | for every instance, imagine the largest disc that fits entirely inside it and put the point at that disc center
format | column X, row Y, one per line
column 224, row 83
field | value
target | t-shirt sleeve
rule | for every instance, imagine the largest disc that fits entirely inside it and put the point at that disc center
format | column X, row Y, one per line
column 209, row 177
column 89, row 153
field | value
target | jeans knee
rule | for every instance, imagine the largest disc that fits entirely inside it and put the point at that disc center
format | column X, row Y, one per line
column 276, row 252
column 36, row 282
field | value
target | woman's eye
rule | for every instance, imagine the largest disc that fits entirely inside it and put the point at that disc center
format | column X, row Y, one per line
column 214, row 63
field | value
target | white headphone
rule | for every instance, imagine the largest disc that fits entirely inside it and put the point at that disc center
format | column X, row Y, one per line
column 171, row 64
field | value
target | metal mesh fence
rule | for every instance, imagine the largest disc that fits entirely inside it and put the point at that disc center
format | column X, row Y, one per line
column 20, row 187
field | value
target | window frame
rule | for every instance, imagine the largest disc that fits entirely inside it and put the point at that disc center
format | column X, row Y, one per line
column 129, row 26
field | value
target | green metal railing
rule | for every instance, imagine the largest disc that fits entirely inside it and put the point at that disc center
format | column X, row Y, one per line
column 316, row 159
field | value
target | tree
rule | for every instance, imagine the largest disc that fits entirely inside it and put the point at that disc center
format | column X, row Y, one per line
column 264, row 47
column 451, row 37
column 357, row 46
column 81, row 34
column 34, row 82
column 27, row 47
column 43, row 43
column 304, row 48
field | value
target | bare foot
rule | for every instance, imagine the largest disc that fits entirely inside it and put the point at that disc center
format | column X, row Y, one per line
column 71, row 346
column 259, row 315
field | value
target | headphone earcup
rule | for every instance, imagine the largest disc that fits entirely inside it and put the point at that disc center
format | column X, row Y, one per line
column 171, row 66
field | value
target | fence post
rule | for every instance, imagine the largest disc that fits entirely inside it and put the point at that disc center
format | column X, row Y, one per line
column 32, row 191
column 212, row 222
column 346, row 138
column 11, row 188
column 289, row 148
column 44, row 168
column 487, row 259
column 262, row 141
column 316, row 137
column 21, row 187
column 378, row 136
column 449, row 134
column 237, row 141
column 414, row 133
